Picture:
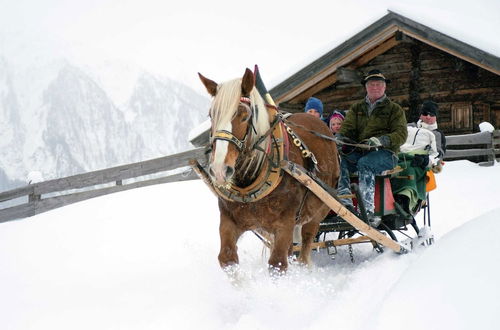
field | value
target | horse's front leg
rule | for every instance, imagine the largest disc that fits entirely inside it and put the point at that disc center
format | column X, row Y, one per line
column 278, row 261
column 309, row 231
column 229, row 234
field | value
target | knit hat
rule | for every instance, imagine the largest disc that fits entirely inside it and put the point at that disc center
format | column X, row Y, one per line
column 338, row 114
column 429, row 107
column 314, row 103
column 374, row 75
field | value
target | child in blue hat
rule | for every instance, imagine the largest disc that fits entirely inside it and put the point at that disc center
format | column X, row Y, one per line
column 314, row 107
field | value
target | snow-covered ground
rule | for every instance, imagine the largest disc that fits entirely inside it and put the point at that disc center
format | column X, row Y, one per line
column 147, row 259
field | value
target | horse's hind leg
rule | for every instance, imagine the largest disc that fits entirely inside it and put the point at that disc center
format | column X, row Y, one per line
column 229, row 234
column 278, row 260
column 309, row 231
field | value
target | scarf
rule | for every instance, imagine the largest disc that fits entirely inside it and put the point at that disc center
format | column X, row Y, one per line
column 430, row 127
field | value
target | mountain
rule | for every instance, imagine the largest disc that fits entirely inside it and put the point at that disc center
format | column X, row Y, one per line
column 61, row 119
column 12, row 132
column 150, row 106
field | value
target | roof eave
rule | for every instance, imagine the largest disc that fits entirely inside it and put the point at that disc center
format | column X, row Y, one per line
column 369, row 38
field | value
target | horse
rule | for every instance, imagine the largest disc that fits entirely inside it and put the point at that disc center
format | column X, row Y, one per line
column 241, row 144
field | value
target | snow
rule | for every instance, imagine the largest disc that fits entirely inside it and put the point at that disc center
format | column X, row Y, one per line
column 199, row 129
column 34, row 177
column 147, row 259
column 486, row 127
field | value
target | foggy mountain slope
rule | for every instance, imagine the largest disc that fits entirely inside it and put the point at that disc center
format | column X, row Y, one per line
column 63, row 121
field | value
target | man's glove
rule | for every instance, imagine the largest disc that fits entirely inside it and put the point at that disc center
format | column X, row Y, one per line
column 373, row 142
column 420, row 161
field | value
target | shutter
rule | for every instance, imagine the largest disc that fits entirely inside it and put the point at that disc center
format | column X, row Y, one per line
column 461, row 116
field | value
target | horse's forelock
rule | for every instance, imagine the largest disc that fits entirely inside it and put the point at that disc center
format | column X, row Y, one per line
column 226, row 103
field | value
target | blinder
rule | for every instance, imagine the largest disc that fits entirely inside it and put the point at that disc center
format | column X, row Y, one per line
column 229, row 136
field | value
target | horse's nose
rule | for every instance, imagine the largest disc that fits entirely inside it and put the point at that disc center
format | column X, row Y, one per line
column 229, row 172
column 211, row 171
column 221, row 174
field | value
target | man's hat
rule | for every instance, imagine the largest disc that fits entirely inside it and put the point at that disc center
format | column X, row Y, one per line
column 429, row 107
column 374, row 75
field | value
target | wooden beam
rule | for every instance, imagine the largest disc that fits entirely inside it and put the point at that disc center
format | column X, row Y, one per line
column 463, row 154
column 336, row 242
column 41, row 205
column 300, row 175
column 328, row 81
column 380, row 49
column 348, row 75
column 468, row 139
column 118, row 173
column 16, row 193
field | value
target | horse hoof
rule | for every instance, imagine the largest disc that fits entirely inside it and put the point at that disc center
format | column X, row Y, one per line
column 277, row 271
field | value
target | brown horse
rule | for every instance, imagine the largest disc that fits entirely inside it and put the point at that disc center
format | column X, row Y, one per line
column 240, row 142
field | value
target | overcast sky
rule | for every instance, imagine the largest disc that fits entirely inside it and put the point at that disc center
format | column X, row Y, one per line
column 220, row 38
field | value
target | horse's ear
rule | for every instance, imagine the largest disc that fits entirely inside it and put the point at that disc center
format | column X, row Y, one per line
column 247, row 83
column 210, row 85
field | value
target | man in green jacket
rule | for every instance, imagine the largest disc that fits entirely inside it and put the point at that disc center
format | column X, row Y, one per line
column 379, row 123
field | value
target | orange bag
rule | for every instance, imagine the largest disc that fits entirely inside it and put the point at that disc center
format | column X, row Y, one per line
column 430, row 181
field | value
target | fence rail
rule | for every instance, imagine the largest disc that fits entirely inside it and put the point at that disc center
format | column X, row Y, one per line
column 64, row 192
column 485, row 144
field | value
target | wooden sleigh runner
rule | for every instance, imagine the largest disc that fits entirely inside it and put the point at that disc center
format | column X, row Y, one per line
column 354, row 230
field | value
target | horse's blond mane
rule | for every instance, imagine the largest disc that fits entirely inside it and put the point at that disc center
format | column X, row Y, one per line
column 224, row 107
column 226, row 102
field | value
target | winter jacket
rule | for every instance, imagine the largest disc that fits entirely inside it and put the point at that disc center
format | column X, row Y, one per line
column 421, row 141
column 386, row 122
column 440, row 138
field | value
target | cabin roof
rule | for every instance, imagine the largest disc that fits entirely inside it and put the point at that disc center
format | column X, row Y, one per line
column 374, row 40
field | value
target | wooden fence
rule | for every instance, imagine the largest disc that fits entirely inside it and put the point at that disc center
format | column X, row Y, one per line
column 48, row 195
column 475, row 146
column 45, row 196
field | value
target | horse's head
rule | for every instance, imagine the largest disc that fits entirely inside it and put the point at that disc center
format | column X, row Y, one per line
column 238, row 115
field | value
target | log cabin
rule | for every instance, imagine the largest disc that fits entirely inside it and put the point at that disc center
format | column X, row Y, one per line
column 422, row 64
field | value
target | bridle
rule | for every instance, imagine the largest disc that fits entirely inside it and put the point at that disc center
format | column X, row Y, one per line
column 268, row 174
column 229, row 136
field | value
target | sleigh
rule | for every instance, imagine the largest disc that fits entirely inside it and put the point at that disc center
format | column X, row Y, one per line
column 272, row 170
column 341, row 228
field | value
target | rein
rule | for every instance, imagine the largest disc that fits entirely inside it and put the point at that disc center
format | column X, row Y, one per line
column 334, row 139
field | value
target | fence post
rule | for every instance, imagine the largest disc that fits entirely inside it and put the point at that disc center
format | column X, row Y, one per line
column 496, row 144
column 33, row 198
